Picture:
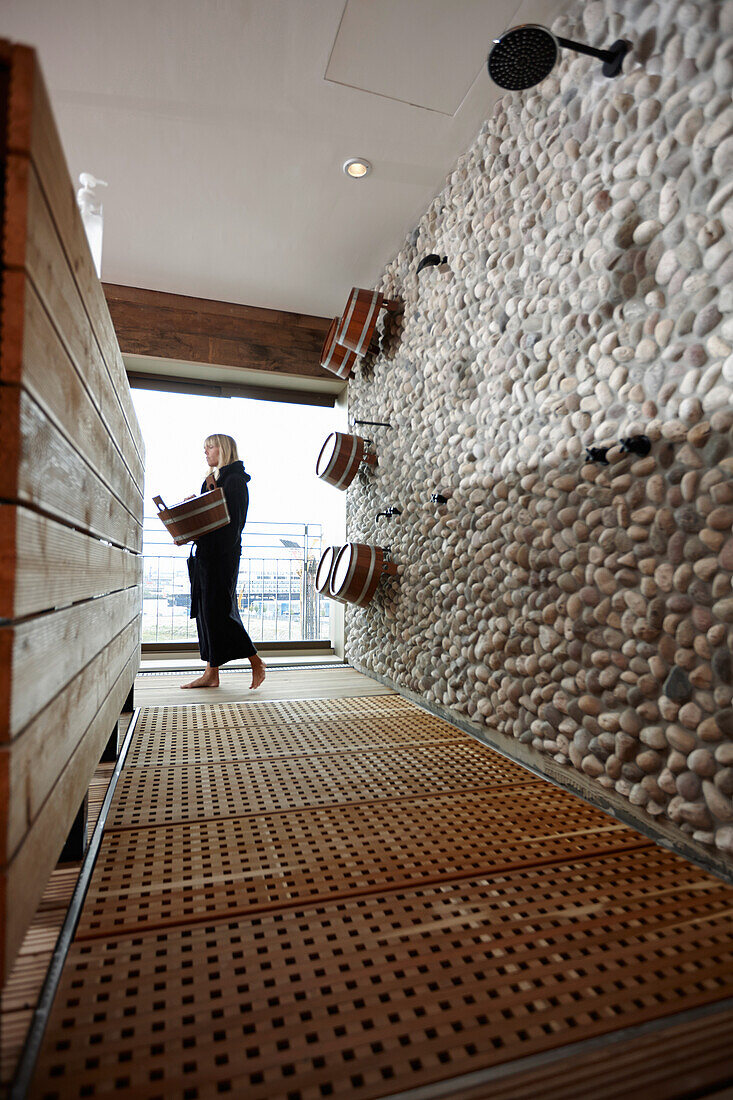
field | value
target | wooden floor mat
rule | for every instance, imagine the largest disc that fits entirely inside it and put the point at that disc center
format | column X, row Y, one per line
column 149, row 796
column 214, row 868
column 220, row 733
column 315, row 913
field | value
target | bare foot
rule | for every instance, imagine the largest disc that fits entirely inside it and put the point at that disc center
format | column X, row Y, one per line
column 210, row 679
column 258, row 671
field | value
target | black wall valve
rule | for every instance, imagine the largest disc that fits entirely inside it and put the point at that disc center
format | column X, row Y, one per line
column 597, row 454
column 633, row 445
column 637, row 445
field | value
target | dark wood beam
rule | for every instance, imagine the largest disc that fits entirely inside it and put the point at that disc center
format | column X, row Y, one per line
column 200, row 330
column 171, row 384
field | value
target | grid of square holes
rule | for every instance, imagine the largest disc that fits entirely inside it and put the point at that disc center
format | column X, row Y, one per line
column 178, row 793
column 150, row 877
column 174, row 740
column 365, row 997
column 275, row 712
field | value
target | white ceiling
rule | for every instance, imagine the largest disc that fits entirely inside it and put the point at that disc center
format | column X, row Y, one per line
column 222, row 137
column 422, row 52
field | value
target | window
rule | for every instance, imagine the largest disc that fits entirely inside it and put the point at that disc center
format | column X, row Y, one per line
column 292, row 514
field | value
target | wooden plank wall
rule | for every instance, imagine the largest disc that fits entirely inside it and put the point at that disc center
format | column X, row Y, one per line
column 71, row 482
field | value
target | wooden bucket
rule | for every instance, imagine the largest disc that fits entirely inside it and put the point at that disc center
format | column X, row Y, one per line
column 340, row 457
column 325, row 571
column 359, row 319
column 190, row 520
column 334, row 356
column 357, row 571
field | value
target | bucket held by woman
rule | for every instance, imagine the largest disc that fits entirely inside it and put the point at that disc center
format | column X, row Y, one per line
column 189, row 520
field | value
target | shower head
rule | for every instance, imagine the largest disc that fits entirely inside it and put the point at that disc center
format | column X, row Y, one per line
column 522, row 57
column 525, row 55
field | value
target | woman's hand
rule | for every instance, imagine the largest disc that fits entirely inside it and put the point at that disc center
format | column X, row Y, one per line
column 192, row 497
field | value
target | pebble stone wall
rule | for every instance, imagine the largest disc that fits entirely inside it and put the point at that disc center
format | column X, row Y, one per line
column 584, row 611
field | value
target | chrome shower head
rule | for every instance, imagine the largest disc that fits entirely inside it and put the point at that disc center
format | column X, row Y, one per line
column 525, row 55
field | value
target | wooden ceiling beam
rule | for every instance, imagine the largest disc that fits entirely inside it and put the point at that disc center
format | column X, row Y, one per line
column 200, row 330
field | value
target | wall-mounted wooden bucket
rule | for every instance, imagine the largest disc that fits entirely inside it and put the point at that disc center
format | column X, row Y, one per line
column 325, row 571
column 340, row 457
column 357, row 571
column 334, row 356
column 359, row 319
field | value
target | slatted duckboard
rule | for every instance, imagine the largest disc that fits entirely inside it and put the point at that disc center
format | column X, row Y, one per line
column 352, row 898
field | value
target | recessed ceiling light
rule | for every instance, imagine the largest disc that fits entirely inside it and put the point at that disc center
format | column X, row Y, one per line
column 357, row 168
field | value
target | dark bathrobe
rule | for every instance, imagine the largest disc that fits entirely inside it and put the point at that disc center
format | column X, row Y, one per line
column 213, row 570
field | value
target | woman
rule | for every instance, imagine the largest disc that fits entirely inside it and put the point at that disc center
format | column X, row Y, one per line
column 214, row 570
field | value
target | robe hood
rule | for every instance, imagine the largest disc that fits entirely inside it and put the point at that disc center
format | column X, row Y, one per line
column 236, row 467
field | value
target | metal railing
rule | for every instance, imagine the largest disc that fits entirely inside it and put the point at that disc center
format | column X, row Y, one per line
column 276, row 590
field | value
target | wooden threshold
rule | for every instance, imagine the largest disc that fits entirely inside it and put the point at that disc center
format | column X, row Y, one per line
column 265, row 647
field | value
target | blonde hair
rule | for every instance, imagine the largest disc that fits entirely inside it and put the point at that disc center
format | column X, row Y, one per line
column 227, row 449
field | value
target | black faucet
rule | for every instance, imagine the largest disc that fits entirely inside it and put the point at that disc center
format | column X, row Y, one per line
column 633, row 444
column 390, row 512
column 597, row 454
column 636, row 445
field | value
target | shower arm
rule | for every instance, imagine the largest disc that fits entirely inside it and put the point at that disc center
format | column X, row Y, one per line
column 612, row 59
column 580, row 47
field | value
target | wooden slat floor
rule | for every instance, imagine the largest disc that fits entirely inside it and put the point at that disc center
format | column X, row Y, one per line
column 20, row 992
column 22, row 988
column 259, row 925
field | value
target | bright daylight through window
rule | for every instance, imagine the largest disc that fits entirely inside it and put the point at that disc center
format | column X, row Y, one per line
column 292, row 514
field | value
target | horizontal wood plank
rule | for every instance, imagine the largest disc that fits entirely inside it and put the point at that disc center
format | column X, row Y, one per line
column 243, row 314
column 196, row 320
column 668, row 1061
column 140, row 338
column 39, row 467
column 169, row 384
column 33, row 245
column 24, row 879
column 31, row 765
column 40, row 656
column 32, row 355
column 171, row 326
column 54, row 565
column 32, row 132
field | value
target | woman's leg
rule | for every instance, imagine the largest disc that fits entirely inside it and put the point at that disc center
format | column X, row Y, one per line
column 209, row 679
column 258, row 670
